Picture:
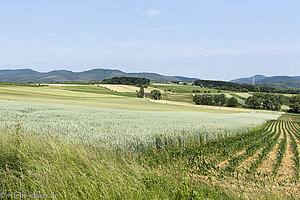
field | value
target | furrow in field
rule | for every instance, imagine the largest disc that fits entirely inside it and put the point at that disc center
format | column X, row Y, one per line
column 247, row 163
column 250, row 153
column 269, row 146
column 273, row 127
column 249, row 141
column 296, row 128
column 254, row 162
column 226, row 162
column 296, row 148
column 267, row 165
column 296, row 131
column 281, row 152
column 286, row 170
column 297, row 125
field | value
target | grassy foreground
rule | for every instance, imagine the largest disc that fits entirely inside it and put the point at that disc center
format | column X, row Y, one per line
column 46, row 165
column 71, row 170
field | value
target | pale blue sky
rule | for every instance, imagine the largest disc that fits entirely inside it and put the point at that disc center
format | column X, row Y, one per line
column 211, row 39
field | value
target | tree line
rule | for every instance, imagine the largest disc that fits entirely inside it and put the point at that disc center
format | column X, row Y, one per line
column 217, row 100
column 264, row 101
column 126, row 81
column 295, row 104
column 224, row 85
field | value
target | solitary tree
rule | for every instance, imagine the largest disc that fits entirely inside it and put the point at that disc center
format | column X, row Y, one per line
column 141, row 93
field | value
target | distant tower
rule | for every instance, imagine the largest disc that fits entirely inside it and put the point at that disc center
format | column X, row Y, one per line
column 253, row 81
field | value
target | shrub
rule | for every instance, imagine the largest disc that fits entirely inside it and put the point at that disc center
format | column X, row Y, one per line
column 155, row 94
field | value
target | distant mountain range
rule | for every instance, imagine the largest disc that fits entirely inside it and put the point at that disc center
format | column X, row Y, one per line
column 278, row 81
column 29, row 75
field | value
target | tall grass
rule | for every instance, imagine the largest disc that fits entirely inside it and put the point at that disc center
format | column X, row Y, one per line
column 45, row 164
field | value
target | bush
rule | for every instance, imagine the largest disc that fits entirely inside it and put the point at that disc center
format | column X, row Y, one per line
column 232, row 102
column 155, row 94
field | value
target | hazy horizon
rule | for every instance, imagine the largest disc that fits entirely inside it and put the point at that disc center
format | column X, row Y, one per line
column 246, row 76
column 214, row 40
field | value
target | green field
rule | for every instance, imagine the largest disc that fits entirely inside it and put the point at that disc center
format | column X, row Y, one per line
column 86, row 142
column 125, row 129
column 93, row 96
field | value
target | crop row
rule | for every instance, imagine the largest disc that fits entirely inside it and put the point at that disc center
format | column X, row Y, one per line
column 224, row 148
column 295, row 148
column 253, row 147
column 269, row 145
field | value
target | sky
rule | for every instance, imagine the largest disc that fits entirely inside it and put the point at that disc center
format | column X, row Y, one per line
column 207, row 39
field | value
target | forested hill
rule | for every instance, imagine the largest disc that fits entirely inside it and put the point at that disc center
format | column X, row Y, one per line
column 29, row 75
column 224, row 85
column 278, row 81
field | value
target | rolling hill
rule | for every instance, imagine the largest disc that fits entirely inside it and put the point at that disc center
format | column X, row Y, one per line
column 29, row 75
column 278, row 81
